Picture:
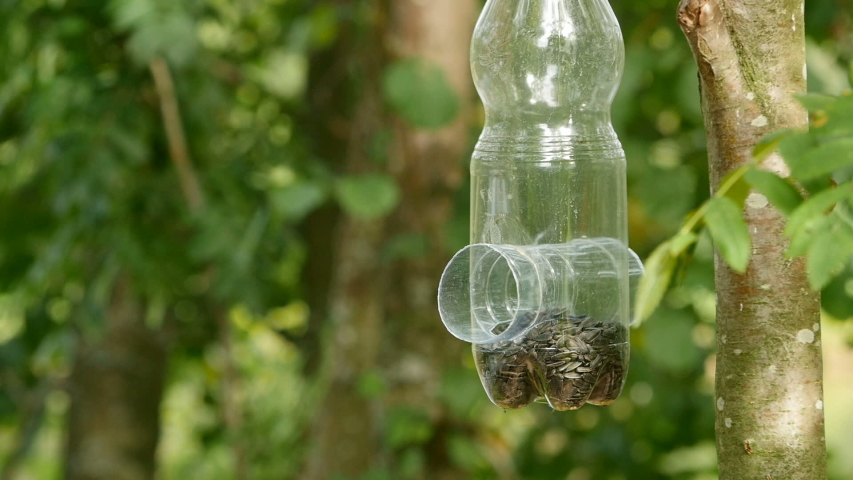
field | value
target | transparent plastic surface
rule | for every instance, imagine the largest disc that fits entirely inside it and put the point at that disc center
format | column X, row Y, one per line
column 543, row 291
column 490, row 293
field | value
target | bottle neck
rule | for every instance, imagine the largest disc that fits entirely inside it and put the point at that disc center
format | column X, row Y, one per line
column 571, row 123
column 555, row 63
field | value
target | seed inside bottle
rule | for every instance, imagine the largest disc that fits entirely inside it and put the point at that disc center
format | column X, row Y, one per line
column 564, row 359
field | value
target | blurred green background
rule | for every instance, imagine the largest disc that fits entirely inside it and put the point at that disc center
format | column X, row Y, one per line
column 242, row 301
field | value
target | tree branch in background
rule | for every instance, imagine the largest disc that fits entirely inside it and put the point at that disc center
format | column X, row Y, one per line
column 751, row 58
column 178, row 150
column 191, row 187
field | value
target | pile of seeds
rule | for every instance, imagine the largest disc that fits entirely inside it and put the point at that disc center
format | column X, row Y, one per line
column 566, row 360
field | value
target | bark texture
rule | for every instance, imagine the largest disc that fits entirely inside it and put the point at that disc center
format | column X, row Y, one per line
column 429, row 166
column 118, row 380
column 383, row 315
column 344, row 435
column 769, row 399
column 115, row 389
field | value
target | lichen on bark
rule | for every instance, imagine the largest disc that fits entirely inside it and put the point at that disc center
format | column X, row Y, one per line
column 751, row 58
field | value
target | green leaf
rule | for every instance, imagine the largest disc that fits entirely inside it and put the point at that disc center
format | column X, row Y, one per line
column 770, row 142
column 420, row 93
column 739, row 190
column 368, row 197
column 283, row 73
column 781, row 194
column 802, row 241
column 837, row 296
column 828, row 255
column 816, row 101
column 157, row 28
column 655, row 281
column 296, row 201
column 823, row 160
column 794, row 147
column 837, row 120
column 681, row 242
column 728, row 229
column 816, row 207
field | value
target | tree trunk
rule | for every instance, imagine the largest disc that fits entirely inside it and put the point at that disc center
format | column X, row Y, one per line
column 118, row 380
column 115, row 390
column 344, row 436
column 769, row 395
column 429, row 167
column 384, row 316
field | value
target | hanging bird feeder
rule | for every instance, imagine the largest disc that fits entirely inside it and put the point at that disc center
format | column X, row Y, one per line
column 543, row 291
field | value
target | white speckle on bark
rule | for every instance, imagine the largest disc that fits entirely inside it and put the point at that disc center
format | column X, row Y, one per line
column 741, row 307
column 771, row 369
column 766, row 287
column 721, row 404
column 819, row 405
column 725, row 339
column 816, row 327
column 750, row 96
column 805, row 336
column 728, row 423
column 738, row 351
column 760, row 121
column 757, row 200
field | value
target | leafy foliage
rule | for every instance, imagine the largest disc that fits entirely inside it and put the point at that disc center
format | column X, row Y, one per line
column 820, row 227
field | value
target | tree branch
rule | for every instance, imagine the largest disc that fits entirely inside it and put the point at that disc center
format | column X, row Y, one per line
column 178, row 151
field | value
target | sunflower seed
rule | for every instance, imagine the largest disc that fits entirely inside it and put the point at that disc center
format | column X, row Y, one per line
column 567, row 360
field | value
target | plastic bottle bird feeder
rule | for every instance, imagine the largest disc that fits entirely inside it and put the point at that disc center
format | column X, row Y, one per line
column 543, row 291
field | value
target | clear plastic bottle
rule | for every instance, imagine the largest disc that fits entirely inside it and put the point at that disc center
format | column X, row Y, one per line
column 543, row 291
